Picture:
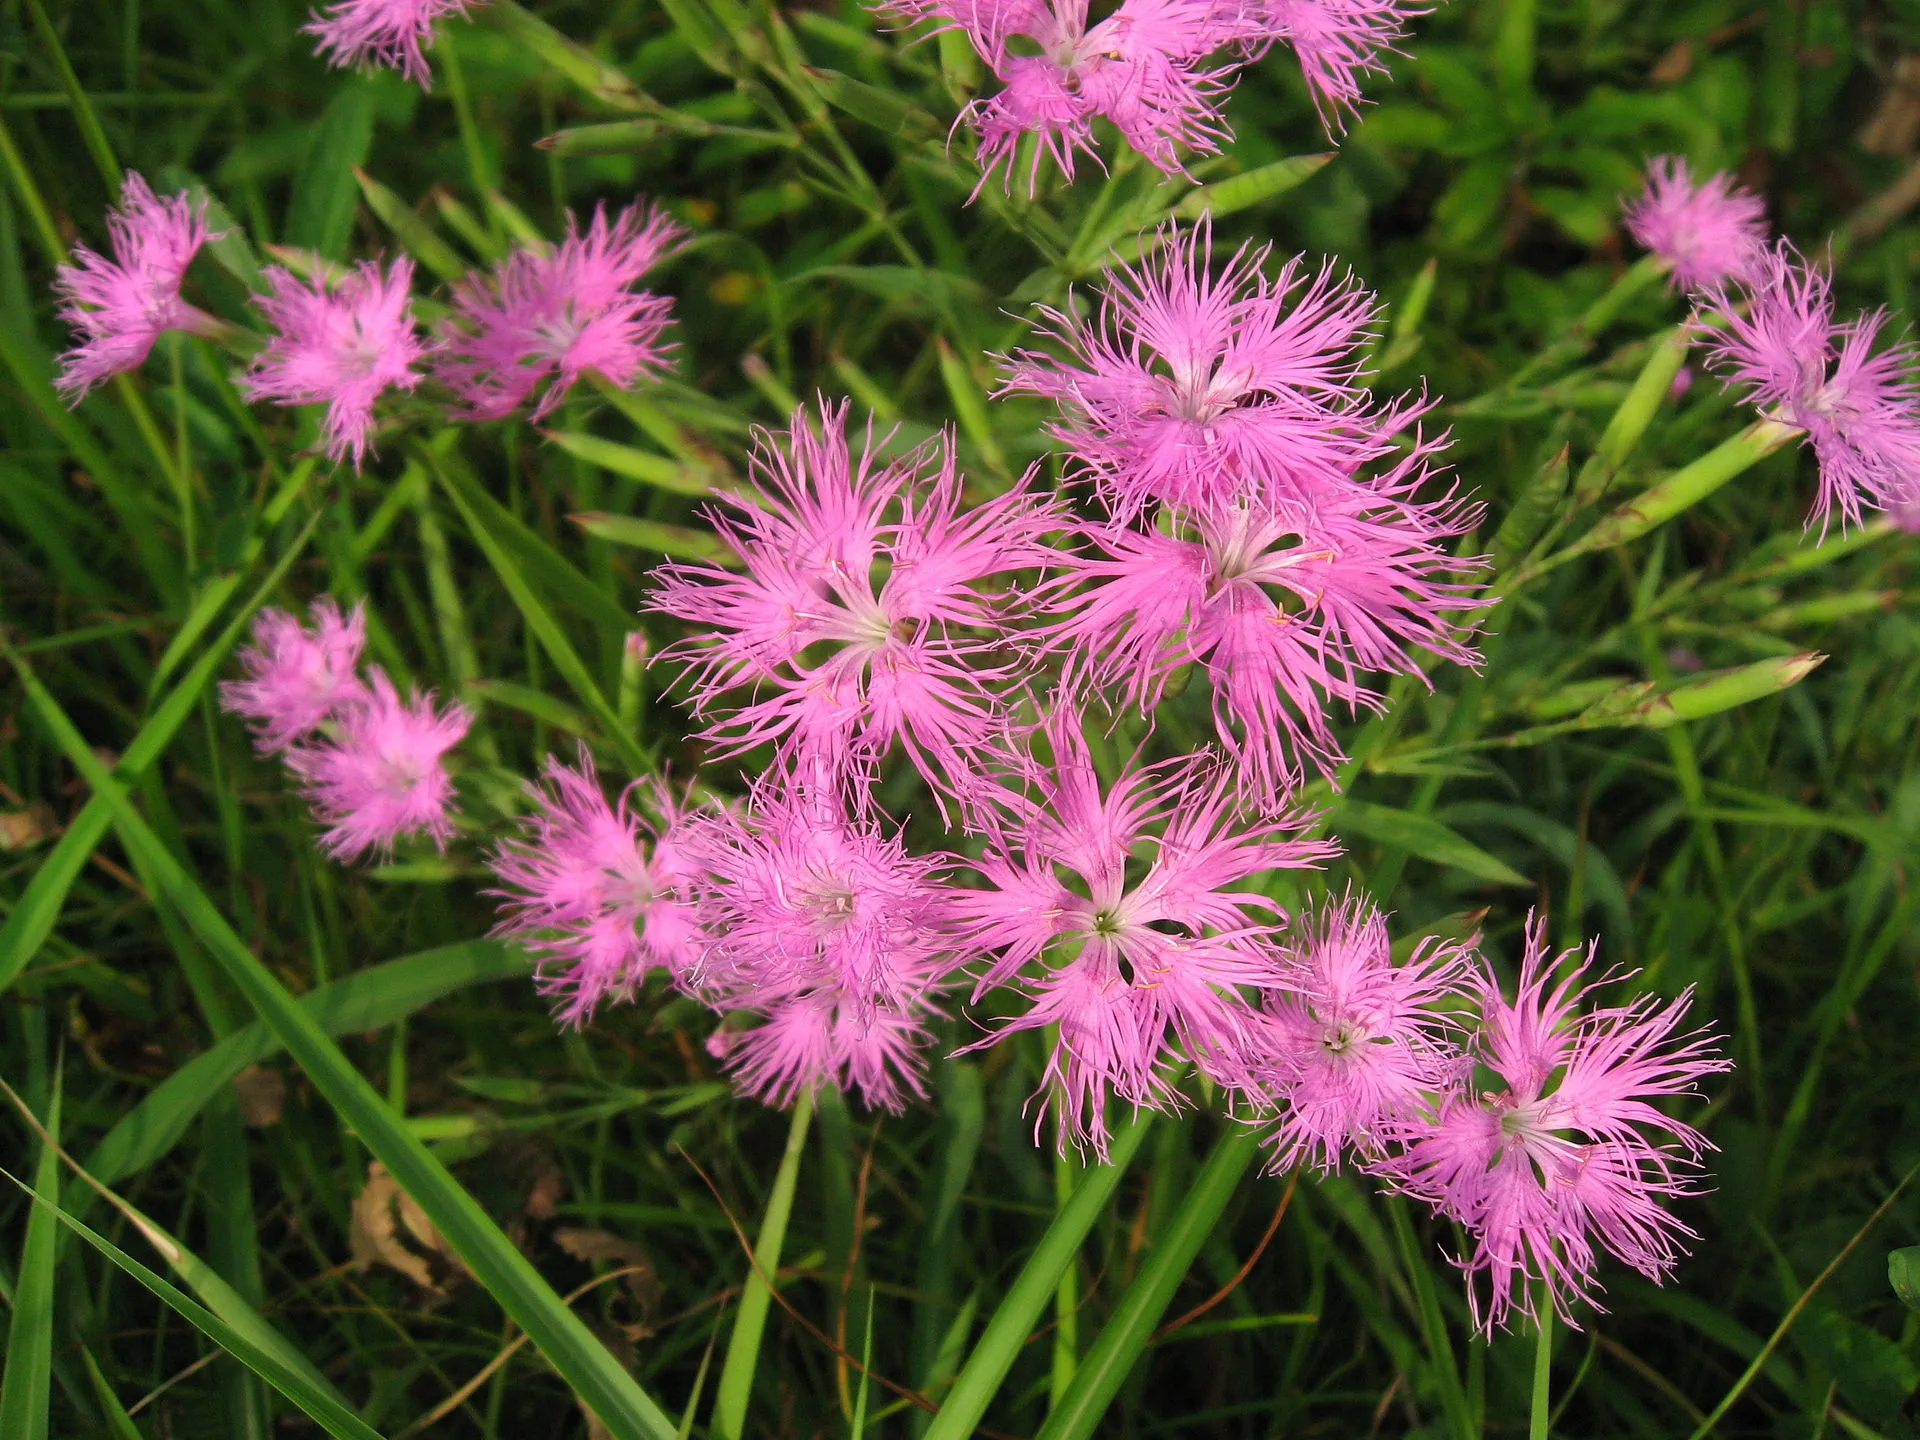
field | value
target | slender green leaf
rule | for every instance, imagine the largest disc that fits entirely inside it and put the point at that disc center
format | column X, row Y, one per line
column 743, row 1346
column 321, row 213
column 1012, row 1324
column 602, row 1383
column 26, row 1389
column 1424, row 836
column 1128, row 1331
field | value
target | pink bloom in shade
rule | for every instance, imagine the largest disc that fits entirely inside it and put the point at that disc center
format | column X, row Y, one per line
column 393, row 33
column 1198, row 389
column 1860, row 407
column 298, row 678
column 561, row 313
column 343, row 342
column 1711, row 232
column 1353, row 1040
column 1116, row 910
column 823, row 925
column 601, row 891
column 871, row 606
column 382, row 775
column 1142, row 68
column 1569, row 1147
column 1289, row 609
column 119, row 307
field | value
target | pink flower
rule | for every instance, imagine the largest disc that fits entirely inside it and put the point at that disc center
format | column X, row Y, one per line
column 1142, row 68
column 1337, row 42
column 1354, row 1041
column 383, row 32
column 382, row 776
column 1567, row 1149
column 298, row 679
column 1115, row 910
column 343, row 342
column 599, row 890
column 823, row 925
column 119, row 307
column 1199, row 390
column 1288, row 608
column 871, row 607
column 1860, row 409
column 1710, row 233
column 561, row 314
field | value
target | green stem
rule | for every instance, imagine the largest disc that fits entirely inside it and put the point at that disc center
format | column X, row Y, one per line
column 743, row 1346
column 1683, row 489
column 1646, row 271
column 1007, row 1333
column 1542, row 1410
column 84, row 115
column 1125, row 1337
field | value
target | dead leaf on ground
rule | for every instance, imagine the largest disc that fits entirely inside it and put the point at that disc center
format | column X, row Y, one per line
column 27, row 826
column 1894, row 126
column 385, row 1218
column 643, row 1283
column 263, row 1095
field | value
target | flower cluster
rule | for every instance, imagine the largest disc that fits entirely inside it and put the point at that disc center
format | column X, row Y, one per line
column 372, row 763
column 1560, row 1153
column 1265, row 516
column 548, row 317
column 1157, row 71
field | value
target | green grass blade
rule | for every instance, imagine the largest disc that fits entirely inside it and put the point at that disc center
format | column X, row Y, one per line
column 92, row 133
column 597, row 1378
column 26, row 1390
column 370, row 1000
column 38, row 910
column 316, row 1402
column 324, row 196
column 551, row 635
column 1124, row 1338
column 1012, row 1324
column 750, row 1323
column 119, row 1423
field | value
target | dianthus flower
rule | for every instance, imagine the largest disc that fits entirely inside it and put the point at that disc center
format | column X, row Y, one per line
column 119, row 307
column 1860, row 409
column 1288, row 608
column 1709, row 233
column 1337, row 42
column 393, row 33
column 1116, row 912
column 1569, row 1148
column 599, row 890
column 560, row 314
column 382, row 775
column 1143, row 68
column 871, row 606
column 1198, row 390
column 343, row 341
column 821, row 924
column 1353, row 1040
column 296, row 678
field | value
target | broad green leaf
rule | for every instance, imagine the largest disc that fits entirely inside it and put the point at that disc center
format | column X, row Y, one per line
column 321, row 214
column 1424, row 836
column 1903, row 1273
column 1242, row 192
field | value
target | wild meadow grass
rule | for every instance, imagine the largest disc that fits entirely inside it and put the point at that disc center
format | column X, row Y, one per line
column 296, row 1148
